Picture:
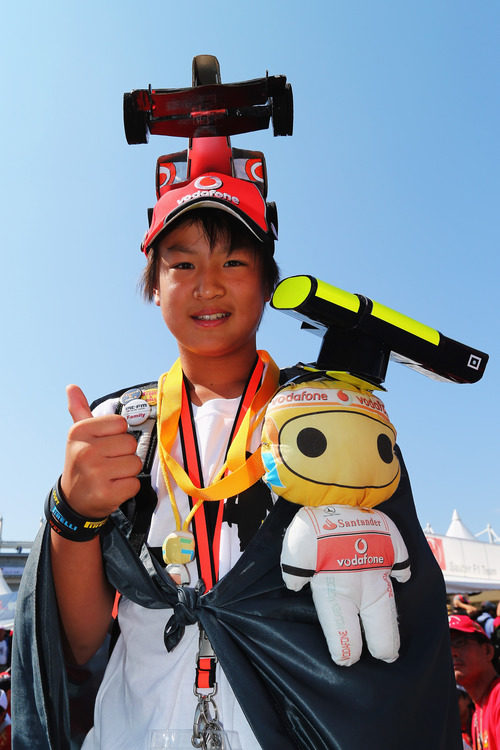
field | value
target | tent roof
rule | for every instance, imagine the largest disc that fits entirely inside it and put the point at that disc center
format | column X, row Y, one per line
column 457, row 529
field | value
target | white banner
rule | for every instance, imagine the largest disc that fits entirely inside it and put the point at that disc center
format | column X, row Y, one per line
column 467, row 565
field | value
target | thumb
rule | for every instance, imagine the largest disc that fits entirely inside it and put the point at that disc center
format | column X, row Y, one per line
column 78, row 406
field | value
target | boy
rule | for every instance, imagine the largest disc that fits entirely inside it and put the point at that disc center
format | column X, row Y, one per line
column 209, row 284
column 210, row 275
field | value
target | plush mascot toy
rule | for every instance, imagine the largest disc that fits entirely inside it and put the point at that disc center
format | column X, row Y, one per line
column 329, row 446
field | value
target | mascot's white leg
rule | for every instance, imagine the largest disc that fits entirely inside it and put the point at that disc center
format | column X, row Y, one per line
column 379, row 617
column 337, row 606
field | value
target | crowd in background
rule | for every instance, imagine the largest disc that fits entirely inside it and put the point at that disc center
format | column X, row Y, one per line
column 5, row 657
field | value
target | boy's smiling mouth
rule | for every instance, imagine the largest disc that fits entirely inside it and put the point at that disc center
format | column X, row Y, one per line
column 212, row 316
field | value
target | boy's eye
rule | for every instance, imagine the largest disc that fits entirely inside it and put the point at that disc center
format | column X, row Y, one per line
column 183, row 265
column 233, row 262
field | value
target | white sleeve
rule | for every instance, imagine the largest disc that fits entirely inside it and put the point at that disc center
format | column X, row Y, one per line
column 105, row 407
column 299, row 552
column 401, row 569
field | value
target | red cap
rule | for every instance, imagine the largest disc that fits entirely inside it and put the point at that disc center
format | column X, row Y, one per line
column 240, row 198
column 465, row 625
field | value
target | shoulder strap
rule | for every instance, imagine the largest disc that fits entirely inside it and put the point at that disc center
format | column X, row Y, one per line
column 119, row 393
column 292, row 373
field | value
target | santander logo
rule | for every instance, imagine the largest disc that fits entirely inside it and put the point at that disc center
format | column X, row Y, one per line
column 329, row 525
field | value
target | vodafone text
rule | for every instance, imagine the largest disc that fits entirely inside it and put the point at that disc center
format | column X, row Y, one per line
column 365, row 559
column 208, row 194
column 372, row 403
column 302, row 396
column 345, row 643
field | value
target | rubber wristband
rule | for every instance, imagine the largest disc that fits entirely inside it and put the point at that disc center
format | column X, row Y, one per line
column 68, row 523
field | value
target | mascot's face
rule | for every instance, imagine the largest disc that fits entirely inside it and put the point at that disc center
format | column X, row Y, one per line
column 327, row 442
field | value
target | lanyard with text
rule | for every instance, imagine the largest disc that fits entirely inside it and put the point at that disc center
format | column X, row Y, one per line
column 237, row 474
column 207, row 521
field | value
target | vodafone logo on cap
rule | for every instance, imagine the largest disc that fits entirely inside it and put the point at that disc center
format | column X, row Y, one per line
column 208, row 182
column 254, row 170
column 166, row 174
column 207, row 186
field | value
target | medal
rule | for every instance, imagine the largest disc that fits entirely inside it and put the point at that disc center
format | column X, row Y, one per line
column 178, row 547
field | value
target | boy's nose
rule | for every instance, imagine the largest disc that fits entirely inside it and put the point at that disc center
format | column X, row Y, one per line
column 208, row 286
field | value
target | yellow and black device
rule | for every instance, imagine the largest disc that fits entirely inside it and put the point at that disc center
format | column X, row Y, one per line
column 361, row 335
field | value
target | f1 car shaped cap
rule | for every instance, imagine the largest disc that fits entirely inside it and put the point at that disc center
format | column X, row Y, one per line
column 240, row 198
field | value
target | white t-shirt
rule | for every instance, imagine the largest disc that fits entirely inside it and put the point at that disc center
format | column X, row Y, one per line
column 145, row 688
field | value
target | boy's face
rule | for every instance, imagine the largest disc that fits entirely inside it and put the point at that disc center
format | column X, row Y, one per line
column 211, row 298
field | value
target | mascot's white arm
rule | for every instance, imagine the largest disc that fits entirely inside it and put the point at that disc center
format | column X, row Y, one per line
column 348, row 555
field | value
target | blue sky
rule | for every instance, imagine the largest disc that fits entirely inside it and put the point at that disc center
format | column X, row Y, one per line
column 389, row 187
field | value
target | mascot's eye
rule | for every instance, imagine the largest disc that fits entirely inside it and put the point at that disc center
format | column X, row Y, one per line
column 384, row 446
column 311, row 442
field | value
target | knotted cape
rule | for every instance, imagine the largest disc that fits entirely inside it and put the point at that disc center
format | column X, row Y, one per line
column 269, row 644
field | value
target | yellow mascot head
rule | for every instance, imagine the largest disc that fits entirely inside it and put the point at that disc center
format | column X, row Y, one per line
column 329, row 442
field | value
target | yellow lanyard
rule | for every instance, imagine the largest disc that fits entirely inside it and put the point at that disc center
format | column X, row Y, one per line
column 242, row 472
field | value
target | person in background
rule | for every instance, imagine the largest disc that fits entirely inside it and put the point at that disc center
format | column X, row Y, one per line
column 461, row 606
column 487, row 617
column 473, row 654
column 5, row 723
column 4, row 650
column 466, row 711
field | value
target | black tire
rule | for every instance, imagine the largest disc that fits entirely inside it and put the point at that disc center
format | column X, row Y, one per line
column 282, row 112
column 135, row 121
column 206, row 70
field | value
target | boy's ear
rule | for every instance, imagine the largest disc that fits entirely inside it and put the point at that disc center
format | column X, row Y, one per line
column 268, row 292
column 156, row 297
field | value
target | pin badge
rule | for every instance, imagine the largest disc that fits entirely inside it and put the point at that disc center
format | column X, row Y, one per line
column 150, row 395
column 133, row 393
column 136, row 411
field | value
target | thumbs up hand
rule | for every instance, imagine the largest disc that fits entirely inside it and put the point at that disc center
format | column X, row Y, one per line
column 100, row 467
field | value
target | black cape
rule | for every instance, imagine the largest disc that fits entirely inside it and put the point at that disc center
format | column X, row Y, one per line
column 268, row 642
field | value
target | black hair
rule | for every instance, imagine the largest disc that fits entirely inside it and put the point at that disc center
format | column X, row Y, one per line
column 217, row 226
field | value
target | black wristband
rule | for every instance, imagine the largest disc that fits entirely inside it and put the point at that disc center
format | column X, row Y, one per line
column 66, row 522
